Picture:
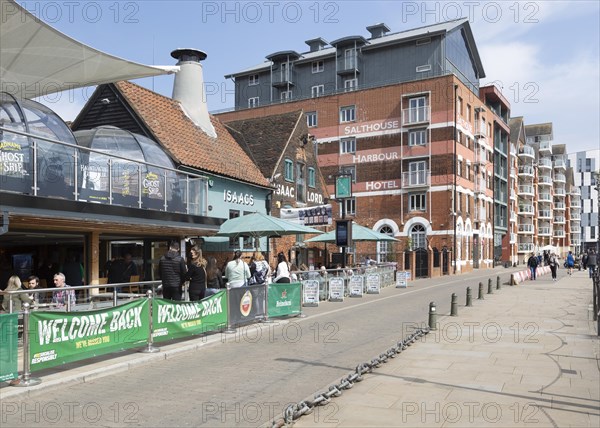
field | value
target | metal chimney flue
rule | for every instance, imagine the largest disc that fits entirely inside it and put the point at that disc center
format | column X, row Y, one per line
column 189, row 89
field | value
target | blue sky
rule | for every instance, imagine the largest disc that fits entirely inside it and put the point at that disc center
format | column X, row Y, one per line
column 544, row 54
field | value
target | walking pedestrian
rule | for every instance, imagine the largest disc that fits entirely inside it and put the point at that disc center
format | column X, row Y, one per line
column 553, row 266
column 570, row 262
column 172, row 271
column 584, row 260
column 532, row 263
column 592, row 262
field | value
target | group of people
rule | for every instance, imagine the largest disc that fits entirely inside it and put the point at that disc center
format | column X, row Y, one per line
column 60, row 298
column 589, row 261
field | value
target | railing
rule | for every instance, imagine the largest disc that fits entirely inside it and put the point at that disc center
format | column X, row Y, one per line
column 560, row 177
column 559, row 233
column 545, row 214
column 526, row 151
column 545, row 163
column 480, row 155
column 416, row 115
column 416, row 179
column 528, row 190
column 349, row 63
column 545, row 231
column 575, row 204
column 575, row 191
column 526, row 209
column 525, row 248
column 526, row 170
column 544, row 197
column 559, row 220
column 559, row 206
column 546, row 146
column 560, row 163
column 526, row 228
column 480, row 129
column 545, row 180
column 575, row 216
column 559, row 192
column 55, row 169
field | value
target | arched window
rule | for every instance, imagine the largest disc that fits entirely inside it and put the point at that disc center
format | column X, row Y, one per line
column 384, row 247
column 417, row 236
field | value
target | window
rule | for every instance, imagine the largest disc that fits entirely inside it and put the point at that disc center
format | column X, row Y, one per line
column 459, row 166
column 286, row 95
column 423, row 68
column 350, row 84
column 349, row 59
column 289, row 170
column 233, row 242
column 300, row 182
column 417, row 109
column 417, row 137
column 317, row 91
column 459, row 106
column 468, row 174
column 417, row 236
column 318, row 66
column 347, row 145
column 384, row 247
column 416, row 202
column 253, row 80
column 311, row 119
column 349, row 170
column 347, row 114
column 253, row 102
column 417, row 173
column 350, row 206
column 285, row 72
column 312, row 177
column 469, row 113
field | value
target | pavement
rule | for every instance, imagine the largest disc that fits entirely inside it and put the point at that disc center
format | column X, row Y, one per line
column 526, row 356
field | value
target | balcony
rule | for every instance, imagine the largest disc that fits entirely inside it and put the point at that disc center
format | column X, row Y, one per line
column 559, row 219
column 513, row 194
column 513, row 238
column 283, row 79
column 559, row 233
column 560, row 164
column 526, row 170
column 481, row 156
column 526, row 209
column 350, row 63
column 416, row 179
column 526, row 229
column 560, row 206
column 575, row 241
column 575, row 191
column 576, row 231
column 416, row 115
column 480, row 185
column 526, row 190
column 545, row 163
column 513, row 217
column 526, row 152
column 545, row 197
column 575, row 203
column 560, row 178
column 575, row 216
column 546, row 147
column 559, row 192
column 525, row 248
column 545, row 180
column 545, row 214
column 544, row 231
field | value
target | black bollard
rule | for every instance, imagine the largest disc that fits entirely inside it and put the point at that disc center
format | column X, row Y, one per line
column 490, row 291
column 432, row 316
column 480, row 297
column 454, row 306
column 469, row 297
column 497, row 283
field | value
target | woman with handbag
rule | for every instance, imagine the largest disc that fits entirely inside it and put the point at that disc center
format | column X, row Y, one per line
column 237, row 271
column 261, row 271
column 196, row 275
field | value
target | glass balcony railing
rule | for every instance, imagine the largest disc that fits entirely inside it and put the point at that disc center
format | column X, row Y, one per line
column 560, row 163
column 545, row 231
column 560, row 178
column 546, row 146
column 527, row 151
column 525, row 248
column 525, row 228
column 55, row 169
column 558, row 219
column 526, row 209
column 544, row 180
column 559, row 206
column 526, row 190
column 545, row 214
column 526, row 170
column 559, row 233
column 545, row 163
column 544, row 197
column 575, row 191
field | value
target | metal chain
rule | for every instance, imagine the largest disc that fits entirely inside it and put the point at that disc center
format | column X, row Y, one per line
column 295, row 411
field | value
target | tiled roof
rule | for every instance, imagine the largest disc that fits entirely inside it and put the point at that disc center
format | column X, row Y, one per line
column 265, row 137
column 187, row 143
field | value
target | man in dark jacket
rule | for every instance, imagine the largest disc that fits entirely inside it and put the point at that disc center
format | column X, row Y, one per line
column 172, row 270
column 532, row 263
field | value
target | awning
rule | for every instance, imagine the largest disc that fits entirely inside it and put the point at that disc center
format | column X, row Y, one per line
column 36, row 59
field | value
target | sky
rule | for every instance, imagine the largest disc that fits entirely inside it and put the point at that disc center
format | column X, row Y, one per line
column 544, row 55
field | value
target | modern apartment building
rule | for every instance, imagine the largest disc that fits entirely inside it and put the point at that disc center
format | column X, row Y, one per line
column 402, row 114
column 586, row 167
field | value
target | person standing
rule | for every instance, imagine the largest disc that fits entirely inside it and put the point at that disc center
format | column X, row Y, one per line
column 196, row 275
column 553, row 265
column 237, row 271
column 214, row 277
column 64, row 296
column 592, row 261
column 532, row 263
column 172, row 271
column 584, row 260
column 283, row 270
column 570, row 262
column 261, row 271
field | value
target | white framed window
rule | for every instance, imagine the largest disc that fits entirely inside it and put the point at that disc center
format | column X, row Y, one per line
column 317, row 91
column 423, row 68
column 318, row 66
column 417, row 109
column 349, row 170
column 347, row 145
column 417, row 173
column 384, row 247
column 253, row 80
column 418, row 236
column 288, row 172
column 286, row 95
column 349, row 59
column 312, row 177
column 347, row 114
column 253, row 102
column 285, row 72
column 417, row 137
column 312, row 119
column 350, row 206
column 350, row 85
column 417, row 202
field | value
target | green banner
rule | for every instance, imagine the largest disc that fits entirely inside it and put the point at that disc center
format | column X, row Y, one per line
column 173, row 320
column 62, row 337
column 284, row 299
column 9, row 340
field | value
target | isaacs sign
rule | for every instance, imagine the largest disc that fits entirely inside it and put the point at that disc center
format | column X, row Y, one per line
column 290, row 192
